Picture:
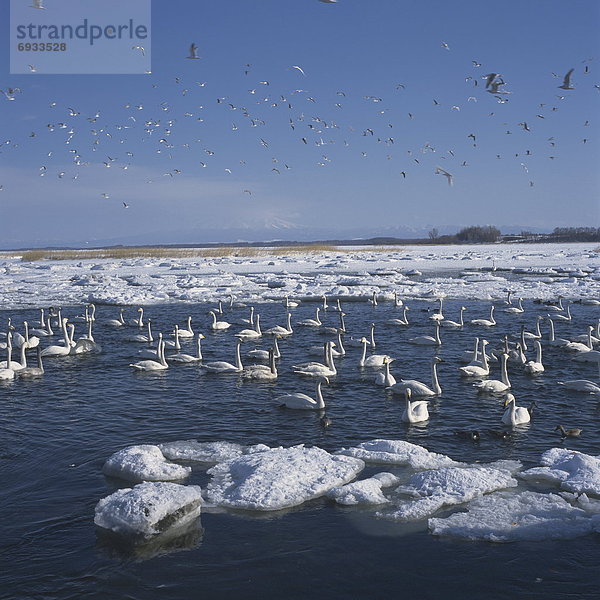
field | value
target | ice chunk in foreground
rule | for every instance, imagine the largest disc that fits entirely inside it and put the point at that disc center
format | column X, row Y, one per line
column 447, row 486
column 507, row 517
column 143, row 463
column 398, row 452
column 575, row 471
column 366, row 491
column 279, row 478
column 148, row 508
column 209, row 452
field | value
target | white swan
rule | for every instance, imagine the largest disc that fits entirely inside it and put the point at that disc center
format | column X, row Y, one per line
column 46, row 331
column 250, row 319
column 316, row 322
column 373, row 299
column 141, row 338
column 397, row 301
column 587, row 338
column 455, row 324
column 535, row 366
column 318, row 369
column 300, row 401
column 470, row 356
column 182, row 357
column 414, row 412
column 582, row 385
column 416, row 387
column 515, row 310
column 553, row 340
column 439, row 315
column 403, row 320
column 258, row 354
column 153, row 365
column 385, row 379
column 428, row 340
column 375, row 360
column 10, row 364
column 359, row 342
column 251, row 334
column 538, row 334
column 486, row 322
column 556, row 307
column 289, row 303
column 218, row 325
column 31, row 372
column 86, row 343
column 591, row 356
column 116, row 322
column 327, row 330
column 139, row 322
column 495, row 386
column 187, row 332
column 225, row 367
column 280, row 331
column 514, row 415
column 262, row 372
column 478, row 370
column 57, row 350
column 173, row 344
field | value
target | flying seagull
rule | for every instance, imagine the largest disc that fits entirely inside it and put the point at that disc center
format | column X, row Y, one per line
column 37, row 4
column 328, row 1
column 299, row 69
column 125, row 205
column 440, row 171
column 193, row 51
column 566, row 84
column 140, row 48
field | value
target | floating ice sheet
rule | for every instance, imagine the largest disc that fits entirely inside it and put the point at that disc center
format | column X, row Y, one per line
column 447, row 486
column 365, row 491
column 279, row 478
column 143, row 463
column 398, row 452
column 574, row 471
column 208, row 452
column 149, row 508
column 509, row 517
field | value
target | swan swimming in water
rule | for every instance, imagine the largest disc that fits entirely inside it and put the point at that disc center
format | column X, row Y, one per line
column 315, row 369
column 439, row 315
column 262, row 372
column 31, row 372
column 514, row 415
column 225, row 367
column 280, row 331
column 181, row 357
column 63, row 350
column 515, row 310
column 495, row 386
column 218, row 325
column 455, row 324
column 401, row 321
column 385, row 379
column 316, row 322
column 416, row 387
column 153, row 365
column 535, row 366
column 428, row 340
column 475, row 370
column 120, row 322
column 414, row 412
column 187, row 332
column 139, row 322
column 582, row 385
column 300, row 401
column 251, row 334
column 375, row 360
column 486, row 322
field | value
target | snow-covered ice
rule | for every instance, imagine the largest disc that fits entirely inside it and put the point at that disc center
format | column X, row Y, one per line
column 351, row 273
column 574, row 471
column 149, row 508
column 207, row 452
column 398, row 452
column 365, row 491
column 143, row 463
column 279, row 478
column 510, row 517
column 446, row 487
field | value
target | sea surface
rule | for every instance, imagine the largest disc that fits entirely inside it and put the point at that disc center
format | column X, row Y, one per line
column 57, row 431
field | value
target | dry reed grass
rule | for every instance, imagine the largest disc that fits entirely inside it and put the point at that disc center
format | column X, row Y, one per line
column 164, row 252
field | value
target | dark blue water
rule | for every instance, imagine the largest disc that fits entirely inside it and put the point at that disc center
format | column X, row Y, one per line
column 56, row 432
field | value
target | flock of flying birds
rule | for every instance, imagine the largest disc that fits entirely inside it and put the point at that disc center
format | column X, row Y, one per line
column 172, row 129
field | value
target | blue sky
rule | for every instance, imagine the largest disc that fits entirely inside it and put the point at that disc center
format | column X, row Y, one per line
column 372, row 147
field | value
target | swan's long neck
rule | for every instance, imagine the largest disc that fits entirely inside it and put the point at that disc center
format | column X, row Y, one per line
column 121, row 319
column 523, row 344
column 387, row 370
column 289, row 323
column 257, row 325
column 569, row 311
column 589, row 340
column 560, row 304
column 538, row 355
column 317, row 317
column 49, row 326
column 272, row 362
column 251, row 319
column 319, row 394
column 396, row 303
column 361, row 362
column 161, row 353
column 372, row 335
column 330, row 362
column 189, row 325
column 342, row 324
column 23, row 356
column 199, row 347
column 537, row 328
column 521, row 304
column 150, row 338
column 65, row 333
column 214, row 316
column 177, row 344
column 238, row 356
column 26, row 325
column 9, row 350
column 141, row 318
column 276, row 352
column 492, row 315
column 476, row 350
column 340, row 344
column 551, row 330
column 405, row 315
column 504, row 372
column 89, row 331
column 435, row 384
column 461, row 321
column 42, row 320
column 484, row 358
column 438, row 340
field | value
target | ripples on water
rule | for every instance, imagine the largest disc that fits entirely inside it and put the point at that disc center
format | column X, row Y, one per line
column 56, row 432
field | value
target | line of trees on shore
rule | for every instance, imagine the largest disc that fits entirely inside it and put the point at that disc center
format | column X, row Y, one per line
column 477, row 234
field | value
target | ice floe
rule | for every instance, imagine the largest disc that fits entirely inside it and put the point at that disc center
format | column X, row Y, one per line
column 574, row 471
column 207, row 452
column 149, row 508
column 279, row 478
column 398, row 452
column 445, row 487
column 510, row 517
column 143, row 463
column 365, row 491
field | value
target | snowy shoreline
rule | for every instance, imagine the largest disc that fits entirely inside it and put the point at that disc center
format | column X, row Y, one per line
column 351, row 273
